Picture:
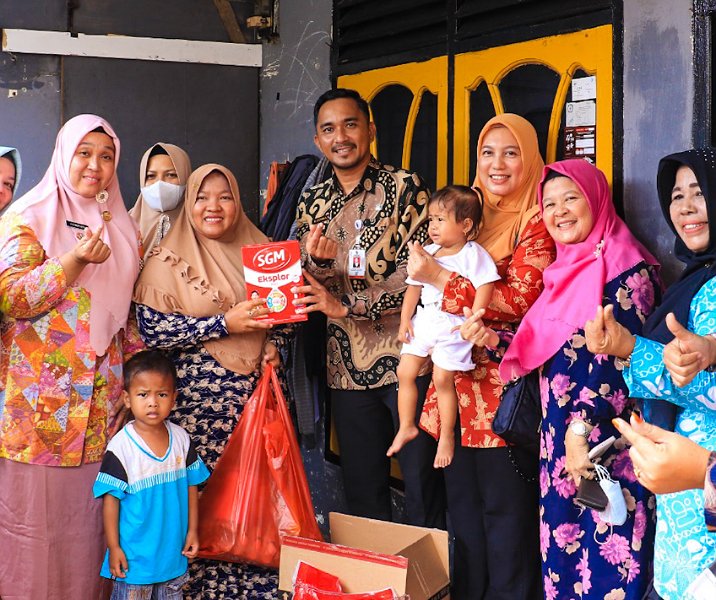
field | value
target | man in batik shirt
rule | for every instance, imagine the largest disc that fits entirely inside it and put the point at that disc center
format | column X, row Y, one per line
column 354, row 231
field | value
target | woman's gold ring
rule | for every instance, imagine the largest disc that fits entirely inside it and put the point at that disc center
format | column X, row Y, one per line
column 252, row 312
column 637, row 472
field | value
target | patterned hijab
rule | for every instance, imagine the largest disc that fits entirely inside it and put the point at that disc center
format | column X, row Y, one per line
column 147, row 218
column 505, row 217
column 200, row 277
column 574, row 282
column 701, row 266
column 52, row 202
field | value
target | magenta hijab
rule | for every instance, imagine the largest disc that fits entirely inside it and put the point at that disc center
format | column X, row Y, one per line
column 574, row 282
column 51, row 203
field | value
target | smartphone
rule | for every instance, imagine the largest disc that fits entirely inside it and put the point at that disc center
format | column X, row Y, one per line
column 591, row 495
column 601, row 448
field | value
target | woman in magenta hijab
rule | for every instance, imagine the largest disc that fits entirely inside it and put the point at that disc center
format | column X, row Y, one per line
column 585, row 553
column 69, row 255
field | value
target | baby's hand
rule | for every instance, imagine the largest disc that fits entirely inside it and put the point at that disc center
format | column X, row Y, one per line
column 118, row 563
column 191, row 545
column 405, row 332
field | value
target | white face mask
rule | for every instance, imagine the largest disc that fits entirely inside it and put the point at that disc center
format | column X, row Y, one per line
column 162, row 196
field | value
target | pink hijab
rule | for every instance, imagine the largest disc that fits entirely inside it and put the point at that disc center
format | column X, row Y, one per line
column 574, row 282
column 53, row 201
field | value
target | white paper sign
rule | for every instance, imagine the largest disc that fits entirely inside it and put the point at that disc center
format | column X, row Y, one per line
column 584, row 88
column 581, row 114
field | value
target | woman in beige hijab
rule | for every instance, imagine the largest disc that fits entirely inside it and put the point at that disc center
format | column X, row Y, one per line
column 163, row 172
column 191, row 302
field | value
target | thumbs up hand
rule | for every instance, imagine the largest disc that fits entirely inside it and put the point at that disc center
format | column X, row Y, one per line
column 688, row 353
column 606, row 336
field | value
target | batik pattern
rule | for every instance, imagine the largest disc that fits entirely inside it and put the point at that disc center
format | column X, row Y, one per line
column 386, row 210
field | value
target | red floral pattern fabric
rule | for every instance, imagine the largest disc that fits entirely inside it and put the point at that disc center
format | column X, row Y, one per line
column 479, row 390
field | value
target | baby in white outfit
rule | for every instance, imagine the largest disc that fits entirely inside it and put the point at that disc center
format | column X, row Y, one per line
column 454, row 213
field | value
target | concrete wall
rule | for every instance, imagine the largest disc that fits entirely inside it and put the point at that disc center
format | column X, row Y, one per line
column 658, row 110
column 296, row 72
column 30, row 120
column 209, row 110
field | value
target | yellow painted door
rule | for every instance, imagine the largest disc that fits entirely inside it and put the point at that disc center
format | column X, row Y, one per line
column 416, row 79
column 483, row 76
column 586, row 52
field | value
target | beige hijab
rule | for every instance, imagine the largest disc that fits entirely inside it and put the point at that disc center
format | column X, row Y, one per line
column 505, row 217
column 146, row 218
column 195, row 276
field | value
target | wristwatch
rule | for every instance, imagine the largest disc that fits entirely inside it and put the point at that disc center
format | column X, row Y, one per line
column 579, row 428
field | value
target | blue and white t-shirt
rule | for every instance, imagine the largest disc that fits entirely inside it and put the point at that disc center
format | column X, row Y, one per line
column 154, row 501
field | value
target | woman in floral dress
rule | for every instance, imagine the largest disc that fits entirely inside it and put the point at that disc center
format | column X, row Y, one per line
column 191, row 300
column 598, row 262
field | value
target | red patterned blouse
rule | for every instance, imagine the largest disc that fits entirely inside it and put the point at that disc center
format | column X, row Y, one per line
column 479, row 390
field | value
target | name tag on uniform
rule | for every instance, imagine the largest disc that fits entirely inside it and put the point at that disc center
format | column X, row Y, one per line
column 356, row 263
column 78, row 227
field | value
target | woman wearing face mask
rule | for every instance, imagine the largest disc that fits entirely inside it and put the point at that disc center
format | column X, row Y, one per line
column 162, row 176
column 10, row 169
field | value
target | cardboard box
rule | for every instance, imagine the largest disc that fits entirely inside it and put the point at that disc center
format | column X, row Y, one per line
column 367, row 555
column 271, row 270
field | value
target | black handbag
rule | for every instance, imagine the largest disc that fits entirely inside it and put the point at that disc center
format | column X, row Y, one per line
column 518, row 418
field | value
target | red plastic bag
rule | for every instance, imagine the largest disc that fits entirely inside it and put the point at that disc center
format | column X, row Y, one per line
column 258, row 491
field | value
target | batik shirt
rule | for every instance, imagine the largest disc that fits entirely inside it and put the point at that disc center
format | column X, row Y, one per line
column 153, row 494
column 386, row 210
column 56, row 395
column 684, row 547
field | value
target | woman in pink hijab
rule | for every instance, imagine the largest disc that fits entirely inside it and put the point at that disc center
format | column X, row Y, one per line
column 69, row 255
column 585, row 553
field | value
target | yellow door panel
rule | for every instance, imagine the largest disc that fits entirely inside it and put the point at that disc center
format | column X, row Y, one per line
column 419, row 77
column 589, row 50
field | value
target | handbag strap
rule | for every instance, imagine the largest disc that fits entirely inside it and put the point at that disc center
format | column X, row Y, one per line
column 516, row 467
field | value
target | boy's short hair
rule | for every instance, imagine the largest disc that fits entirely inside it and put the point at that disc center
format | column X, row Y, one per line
column 154, row 361
column 462, row 201
column 337, row 94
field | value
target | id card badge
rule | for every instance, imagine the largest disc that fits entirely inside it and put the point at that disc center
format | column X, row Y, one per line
column 356, row 263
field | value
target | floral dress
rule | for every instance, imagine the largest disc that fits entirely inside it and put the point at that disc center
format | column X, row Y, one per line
column 583, row 557
column 209, row 405
column 684, row 547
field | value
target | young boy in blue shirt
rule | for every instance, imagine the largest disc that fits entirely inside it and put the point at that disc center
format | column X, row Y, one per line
column 148, row 481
